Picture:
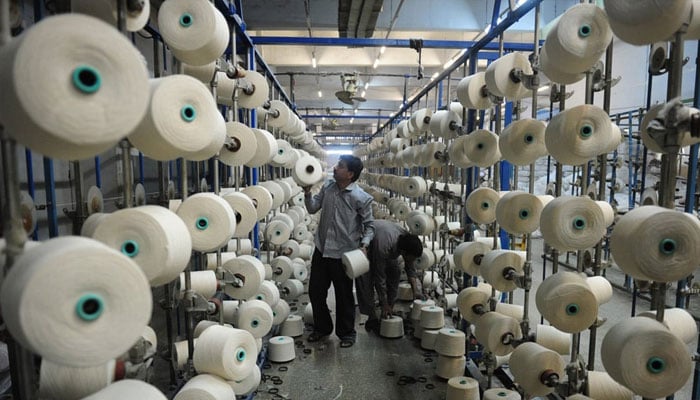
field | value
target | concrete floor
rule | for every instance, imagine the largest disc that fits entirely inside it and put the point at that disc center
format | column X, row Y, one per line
column 372, row 368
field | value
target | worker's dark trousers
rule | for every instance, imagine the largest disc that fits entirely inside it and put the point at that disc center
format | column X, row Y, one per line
column 325, row 271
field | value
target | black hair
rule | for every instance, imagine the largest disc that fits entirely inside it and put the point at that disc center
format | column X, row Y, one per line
column 410, row 244
column 354, row 165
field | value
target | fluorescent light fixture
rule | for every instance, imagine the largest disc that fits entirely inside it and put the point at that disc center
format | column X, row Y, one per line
column 354, row 111
column 364, row 92
column 366, row 85
column 323, row 118
column 382, row 49
column 376, row 63
column 352, row 120
column 313, row 62
column 339, row 152
column 320, row 93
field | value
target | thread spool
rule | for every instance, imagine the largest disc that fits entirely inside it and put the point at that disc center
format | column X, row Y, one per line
column 414, row 186
column 449, row 300
column 203, row 73
column 100, row 306
column 641, row 354
column 497, row 332
column 646, row 21
column 519, row 212
column 280, row 312
column 292, row 289
column 262, row 199
column 405, row 292
column 152, row 236
column 107, row 11
column 203, row 325
column 420, row 223
column 89, row 78
column 209, row 219
column 656, row 244
column 195, row 31
column 511, row 310
column 443, row 123
column 601, row 386
column 128, row 389
column 417, row 305
column 355, row 263
column 254, row 90
column 243, row 147
column 95, row 202
column 240, row 246
column 278, row 114
column 202, row 282
column 431, row 280
column 246, row 386
column 601, row 288
column 90, row 225
column 244, row 211
column 578, row 134
column 292, row 326
column 265, row 150
column 471, row 92
column 210, row 260
column 181, row 353
column 427, row 338
column 551, row 69
column 307, row 171
column 420, row 120
column 205, row 387
column 230, row 308
column 473, row 299
column 268, row 293
column 572, row 223
column 608, row 212
column 255, row 316
column 282, row 268
column 499, row 80
column 449, row 367
column 566, row 300
column 579, row 38
column 308, row 314
column 678, row 321
column 496, row 264
column 57, row 381
column 225, row 352
column 522, row 142
column 462, row 388
column 432, row 317
column 300, row 273
column 250, row 271
column 450, row 342
column 391, row 327
column 481, row 205
column 500, row 394
column 553, row 339
column 481, row 148
column 281, row 349
column 457, row 154
column 531, row 363
column 685, row 138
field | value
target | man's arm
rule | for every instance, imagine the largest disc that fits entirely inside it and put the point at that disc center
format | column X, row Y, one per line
column 367, row 223
column 313, row 203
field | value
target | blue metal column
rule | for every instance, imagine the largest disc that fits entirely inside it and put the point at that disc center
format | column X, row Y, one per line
column 30, row 182
column 98, row 173
column 253, row 171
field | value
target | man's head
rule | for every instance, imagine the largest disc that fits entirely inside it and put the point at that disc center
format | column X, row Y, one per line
column 348, row 167
column 410, row 247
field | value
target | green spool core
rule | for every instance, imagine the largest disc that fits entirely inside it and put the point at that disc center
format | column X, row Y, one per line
column 529, row 138
column 667, row 246
column 240, row 355
column 585, row 30
column 485, row 205
column 202, row 223
column 186, row 20
column 586, row 131
column 656, row 365
column 89, row 307
column 260, row 297
column 524, row 214
column 502, row 394
column 87, row 79
column 254, row 323
column 572, row 309
column 130, row 248
column 463, row 382
column 579, row 223
column 188, row 113
column 280, row 339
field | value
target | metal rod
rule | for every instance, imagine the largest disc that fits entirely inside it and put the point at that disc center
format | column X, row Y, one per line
column 80, row 205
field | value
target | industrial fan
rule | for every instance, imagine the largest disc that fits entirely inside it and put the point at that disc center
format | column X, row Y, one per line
column 347, row 95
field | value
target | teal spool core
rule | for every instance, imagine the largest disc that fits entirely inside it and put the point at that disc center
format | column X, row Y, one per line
column 188, row 113
column 254, row 323
column 502, row 394
column 656, row 365
column 87, row 79
column 586, row 131
column 579, row 223
column 572, row 309
column 667, row 246
column 186, row 20
column 529, row 138
column 524, row 214
column 585, row 30
column 202, row 223
column 89, row 307
column 130, row 248
column 280, row 339
column 463, row 382
column 240, row 355
column 260, row 297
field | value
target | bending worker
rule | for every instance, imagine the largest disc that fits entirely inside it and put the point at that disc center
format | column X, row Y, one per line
column 390, row 241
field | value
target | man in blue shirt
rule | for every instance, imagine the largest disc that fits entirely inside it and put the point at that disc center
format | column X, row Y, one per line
column 346, row 223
